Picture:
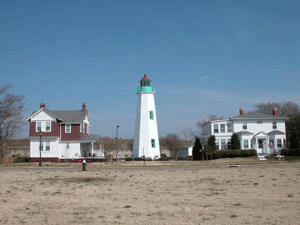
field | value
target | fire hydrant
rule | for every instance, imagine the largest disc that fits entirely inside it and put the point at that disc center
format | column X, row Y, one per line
column 84, row 165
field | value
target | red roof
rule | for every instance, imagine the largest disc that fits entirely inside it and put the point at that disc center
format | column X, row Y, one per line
column 145, row 77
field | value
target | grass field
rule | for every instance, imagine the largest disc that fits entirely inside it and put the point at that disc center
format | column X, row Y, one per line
column 156, row 193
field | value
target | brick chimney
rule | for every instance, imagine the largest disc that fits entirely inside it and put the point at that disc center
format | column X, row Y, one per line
column 242, row 112
column 42, row 105
column 83, row 107
column 275, row 112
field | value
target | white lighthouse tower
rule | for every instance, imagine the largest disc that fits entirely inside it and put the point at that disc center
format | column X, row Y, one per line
column 146, row 142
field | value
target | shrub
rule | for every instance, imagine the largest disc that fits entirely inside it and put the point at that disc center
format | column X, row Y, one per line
column 234, row 153
column 128, row 159
column 235, row 142
column 290, row 152
column 21, row 160
column 138, row 159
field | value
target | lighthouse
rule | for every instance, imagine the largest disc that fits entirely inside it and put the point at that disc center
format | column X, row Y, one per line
column 146, row 142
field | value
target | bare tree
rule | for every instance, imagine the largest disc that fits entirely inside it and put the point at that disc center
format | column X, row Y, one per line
column 204, row 132
column 11, row 116
column 284, row 108
column 173, row 143
column 188, row 134
column 109, row 145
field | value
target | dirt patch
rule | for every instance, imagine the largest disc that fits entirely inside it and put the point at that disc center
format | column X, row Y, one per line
column 157, row 193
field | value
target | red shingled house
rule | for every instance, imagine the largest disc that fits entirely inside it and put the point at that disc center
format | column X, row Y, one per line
column 62, row 134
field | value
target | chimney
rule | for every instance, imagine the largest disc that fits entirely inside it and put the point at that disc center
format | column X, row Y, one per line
column 242, row 112
column 83, row 107
column 275, row 112
column 42, row 105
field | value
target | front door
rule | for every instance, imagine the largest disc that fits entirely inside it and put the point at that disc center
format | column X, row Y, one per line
column 260, row 148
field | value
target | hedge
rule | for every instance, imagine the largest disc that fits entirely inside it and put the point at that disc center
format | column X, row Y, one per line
column 232, row 153
column 290, row 152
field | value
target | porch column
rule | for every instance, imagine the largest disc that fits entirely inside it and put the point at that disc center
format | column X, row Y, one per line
column 93, row 149
column 256, row 144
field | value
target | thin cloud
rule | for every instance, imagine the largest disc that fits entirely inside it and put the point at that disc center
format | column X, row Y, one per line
column 205, row 77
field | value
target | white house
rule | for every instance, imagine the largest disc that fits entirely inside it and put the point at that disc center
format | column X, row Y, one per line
column 259, row 131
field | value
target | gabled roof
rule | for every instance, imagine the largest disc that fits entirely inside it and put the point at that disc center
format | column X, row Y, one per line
column 70, row 116
column 275, row 132
column 258, row 116
column 261, row 133
column 66, row 116
column 244, row 133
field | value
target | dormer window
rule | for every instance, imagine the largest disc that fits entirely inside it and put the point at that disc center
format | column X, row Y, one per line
column 68, row 128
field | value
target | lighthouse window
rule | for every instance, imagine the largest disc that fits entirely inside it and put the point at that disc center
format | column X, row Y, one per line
column 153, row 143
column 151, row 115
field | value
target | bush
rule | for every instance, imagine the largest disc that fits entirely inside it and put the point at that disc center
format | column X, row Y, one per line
column 290, row 152
column 138, row 159
column 128, row 159
column 163, row 157
column 233, row 153
column 21, row 160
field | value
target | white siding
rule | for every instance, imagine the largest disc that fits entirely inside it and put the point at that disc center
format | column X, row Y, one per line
column 146, row 129
column 35, row 146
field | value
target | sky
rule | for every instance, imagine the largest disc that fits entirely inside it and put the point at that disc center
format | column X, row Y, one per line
column 203, row 57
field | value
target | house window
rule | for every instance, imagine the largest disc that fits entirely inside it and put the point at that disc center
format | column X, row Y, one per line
column 274, row 125
column 279, row 143
column 229, row 127
column 41, row 144
column 83, row 128
column 38, row 126
column 222, row 128
column 246, row 144
column 68, row 128
column 217, row 144
column 151, row 115
column 68, row 146
column 223, row 144
column 259, row 121
column 47, row 145
column 228, row 144
column 216, row 128
column 244, row 126
column 48, row 126
column 153, row 143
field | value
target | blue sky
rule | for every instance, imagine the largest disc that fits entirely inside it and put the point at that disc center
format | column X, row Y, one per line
column 203, row 57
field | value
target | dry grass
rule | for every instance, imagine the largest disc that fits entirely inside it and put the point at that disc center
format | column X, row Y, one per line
column 157, row 193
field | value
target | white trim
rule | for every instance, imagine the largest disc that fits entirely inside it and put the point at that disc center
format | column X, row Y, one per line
column 43, row 127
column 34, row 114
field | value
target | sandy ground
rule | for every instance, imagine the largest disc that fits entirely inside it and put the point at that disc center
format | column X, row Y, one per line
column 157, row 193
